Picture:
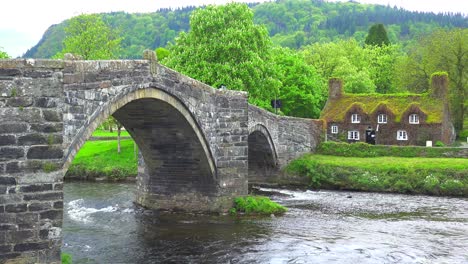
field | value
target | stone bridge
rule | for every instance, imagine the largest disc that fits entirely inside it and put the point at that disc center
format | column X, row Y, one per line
column 199, row 146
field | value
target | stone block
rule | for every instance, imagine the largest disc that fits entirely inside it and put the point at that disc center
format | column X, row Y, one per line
column 7, row 153
column 16, row 208
column 45, row 152
column 33, row 207
column 10, row 128
column 5, row 249
column 32, row 139
column 58, row 205
column 7, row 140
column 46, row 102
column 36, row 188
column 33, row 246
column 47, row 127
column 49, row 196
column 19, row 102
column 19, row 236
column 52, row 214
column 13, row 167
column 52, row 116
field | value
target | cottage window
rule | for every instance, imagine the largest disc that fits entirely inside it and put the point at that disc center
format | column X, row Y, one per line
column 382, row 119
column 355, row 118
column 353, row 135
column 402, row 135
column 334, row 129
column 414, row 119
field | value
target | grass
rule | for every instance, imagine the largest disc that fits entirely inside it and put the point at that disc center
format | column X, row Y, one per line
column 387, row 163
column 433, row 176
column 362, row 150
column 100, row 159
column 256, row 205
column 106, row 133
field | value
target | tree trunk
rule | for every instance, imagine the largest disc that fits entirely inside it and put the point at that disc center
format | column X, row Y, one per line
column 119, row 128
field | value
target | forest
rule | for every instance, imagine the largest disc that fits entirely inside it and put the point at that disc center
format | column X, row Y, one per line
column 287, row 49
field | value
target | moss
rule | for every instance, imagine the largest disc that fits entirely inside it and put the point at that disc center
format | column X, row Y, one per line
column 256, row 205
column 337, row 109
column 66, row 258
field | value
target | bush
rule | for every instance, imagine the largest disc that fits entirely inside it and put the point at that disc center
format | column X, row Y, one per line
column 257, row 205
column 453, row 186
column 439, row 144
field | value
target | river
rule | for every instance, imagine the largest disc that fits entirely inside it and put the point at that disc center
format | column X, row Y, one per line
column 101, row 225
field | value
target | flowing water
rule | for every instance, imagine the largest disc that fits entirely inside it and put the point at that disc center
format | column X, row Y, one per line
column 101, row 225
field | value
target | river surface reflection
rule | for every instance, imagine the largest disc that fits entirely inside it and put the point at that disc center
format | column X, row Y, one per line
column 101, row 225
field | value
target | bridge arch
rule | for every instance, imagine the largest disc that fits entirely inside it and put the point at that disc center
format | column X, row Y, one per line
column 262, row 156
column 175, row 161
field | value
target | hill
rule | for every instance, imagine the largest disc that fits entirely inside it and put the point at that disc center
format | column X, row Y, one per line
column 291, row 23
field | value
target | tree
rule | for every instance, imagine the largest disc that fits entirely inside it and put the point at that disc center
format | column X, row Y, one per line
column 89, row 37
column 224, row 46
column 346, row 60
column 302, row 92
column 443, row 50
column 377, row 36
column 3, row 55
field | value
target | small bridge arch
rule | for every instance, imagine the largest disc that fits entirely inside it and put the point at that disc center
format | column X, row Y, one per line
column 263, row 158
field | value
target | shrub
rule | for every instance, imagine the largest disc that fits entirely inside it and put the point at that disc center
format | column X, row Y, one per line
column 439, row 144
column 452, row 186
column 257, row 205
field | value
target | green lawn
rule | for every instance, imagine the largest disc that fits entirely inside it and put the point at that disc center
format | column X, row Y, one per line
column 106, row 133
column 386, row 163
column 100, row 159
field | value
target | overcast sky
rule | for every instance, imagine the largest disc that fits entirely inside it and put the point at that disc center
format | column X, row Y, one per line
column 23, row 22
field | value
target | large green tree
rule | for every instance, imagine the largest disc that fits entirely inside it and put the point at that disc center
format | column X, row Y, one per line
column 224, row 46
column 377, row 36
column 89, row 37
column 302, row 92
column 443, row 50
column 365, row 69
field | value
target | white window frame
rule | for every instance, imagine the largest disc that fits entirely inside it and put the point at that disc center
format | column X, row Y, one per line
column 382, row 119
column 402, row 135
column 414, row 119
column 355, row 119
column 334, row 129
column 353, row 135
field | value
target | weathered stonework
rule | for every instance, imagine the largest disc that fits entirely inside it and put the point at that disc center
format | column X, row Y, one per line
column 193, row 140
column 282, row 139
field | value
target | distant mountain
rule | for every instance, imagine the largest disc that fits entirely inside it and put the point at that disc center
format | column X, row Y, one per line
column 291, row 23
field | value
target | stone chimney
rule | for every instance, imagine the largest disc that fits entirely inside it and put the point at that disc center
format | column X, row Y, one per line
column 439, row 85
column 335, row 88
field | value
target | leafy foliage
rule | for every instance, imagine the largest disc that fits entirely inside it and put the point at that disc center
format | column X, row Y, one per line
column 443, row 50
column 89, row 37
column 225, row 47
column 377, row 36
column 3, row 55
column 290, row 23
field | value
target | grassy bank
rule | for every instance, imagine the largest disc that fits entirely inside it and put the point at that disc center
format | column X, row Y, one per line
column 100, row 159
column 435, row 176
column 366, row 150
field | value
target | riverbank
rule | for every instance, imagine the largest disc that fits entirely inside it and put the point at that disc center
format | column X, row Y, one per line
column 99, row 160
column 432, row 176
